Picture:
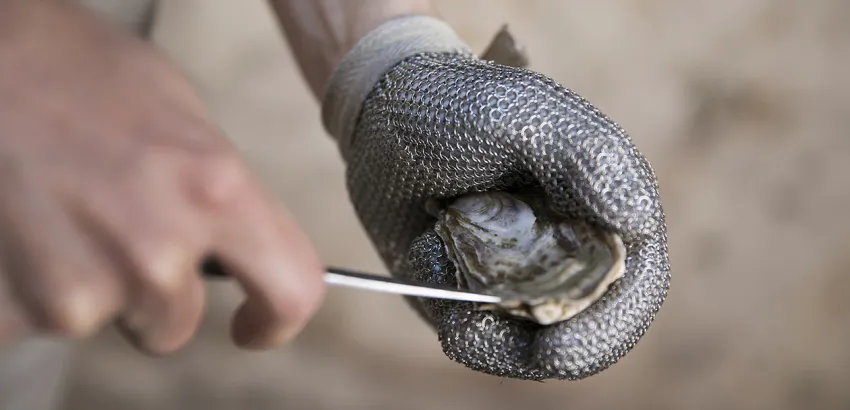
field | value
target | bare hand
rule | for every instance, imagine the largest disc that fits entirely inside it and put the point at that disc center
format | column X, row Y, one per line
column 114, row 187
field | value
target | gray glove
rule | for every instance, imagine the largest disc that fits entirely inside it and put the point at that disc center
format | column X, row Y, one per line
column 418, row 117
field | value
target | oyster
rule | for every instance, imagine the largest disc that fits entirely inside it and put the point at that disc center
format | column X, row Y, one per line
column 545, row 267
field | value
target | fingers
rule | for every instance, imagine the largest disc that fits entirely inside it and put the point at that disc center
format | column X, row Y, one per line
column 585, row 161
column 480, row 340
column 154, row 239
column 580, row 347
column 270, row 257
column 279, row 272
column 487, row 342
column 215, row 208
column 129, row 246
column 522, row 121
column 604, row 333
column 162, row 322
column 590, row 169
column 509, row 128
column 54, row 281
column 166, row 308
column 429, row 263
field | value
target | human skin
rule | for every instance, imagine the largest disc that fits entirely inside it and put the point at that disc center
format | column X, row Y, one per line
column 321, row 32
column 103, row 143
column 116, row 184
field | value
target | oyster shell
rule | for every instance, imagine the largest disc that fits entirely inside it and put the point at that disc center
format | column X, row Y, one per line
column 546, row 268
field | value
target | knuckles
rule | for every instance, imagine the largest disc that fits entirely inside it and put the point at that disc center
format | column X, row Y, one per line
column 161, row 264
column 73, row 312
column 158, row 251
column 193, row 156
column 168, row 240
column 218, row 180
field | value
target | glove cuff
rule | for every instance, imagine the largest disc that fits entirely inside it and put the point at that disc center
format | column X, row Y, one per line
column 369, row 59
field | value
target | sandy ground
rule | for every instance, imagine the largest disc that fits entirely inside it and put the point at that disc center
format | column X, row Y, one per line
column 741, row 106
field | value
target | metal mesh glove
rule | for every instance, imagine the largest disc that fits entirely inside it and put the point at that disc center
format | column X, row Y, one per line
column 438, row 122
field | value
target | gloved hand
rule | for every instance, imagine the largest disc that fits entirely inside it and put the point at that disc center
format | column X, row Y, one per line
column 418, row 117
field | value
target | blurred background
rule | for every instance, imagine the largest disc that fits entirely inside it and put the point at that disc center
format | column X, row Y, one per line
column 740, row 105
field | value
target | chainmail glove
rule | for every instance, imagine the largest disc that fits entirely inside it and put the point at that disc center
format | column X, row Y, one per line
column 418, row 117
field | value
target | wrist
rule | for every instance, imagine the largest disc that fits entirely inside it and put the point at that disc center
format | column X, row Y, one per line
column 321, row 32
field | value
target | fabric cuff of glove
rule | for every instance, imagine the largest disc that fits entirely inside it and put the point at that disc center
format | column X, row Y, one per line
column 369, row 59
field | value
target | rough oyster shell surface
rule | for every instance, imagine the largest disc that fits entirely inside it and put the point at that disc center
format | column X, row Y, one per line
column 547, row 268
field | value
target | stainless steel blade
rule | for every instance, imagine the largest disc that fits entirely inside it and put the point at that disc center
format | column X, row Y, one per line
column 376, row 283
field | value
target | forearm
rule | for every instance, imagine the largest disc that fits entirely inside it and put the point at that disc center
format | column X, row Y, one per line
column 321, row 32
